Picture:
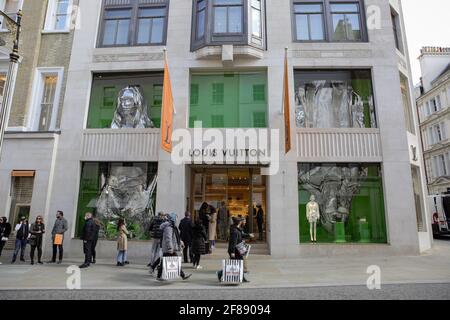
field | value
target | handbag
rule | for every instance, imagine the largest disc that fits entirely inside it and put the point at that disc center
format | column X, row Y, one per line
column 32, row 241
column 242, row 248
column 232, row 271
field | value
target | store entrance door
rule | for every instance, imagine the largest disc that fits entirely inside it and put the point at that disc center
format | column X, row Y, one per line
column 232, row 191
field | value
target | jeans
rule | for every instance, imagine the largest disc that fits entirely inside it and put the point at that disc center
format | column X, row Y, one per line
column 121, row 256
column 20, row 245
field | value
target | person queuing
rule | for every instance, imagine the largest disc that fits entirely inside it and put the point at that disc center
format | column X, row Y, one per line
column 88, row 236
column 236, row 237
column 260, row 221
column 122, row 243
column 37, row 231
column 185, row 228
column 203, row 214
column 60, row 227
column 5, row 231
column 198, row 243
column 222, row 219
column 98, row 226
column 156, row 234
column 171, row 244
column 212, row 228
column 22, row 232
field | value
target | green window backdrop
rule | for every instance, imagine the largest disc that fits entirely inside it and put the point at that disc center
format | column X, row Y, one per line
column 93, row 177
column 339, row 187
column 105, row 90
column 229, row 100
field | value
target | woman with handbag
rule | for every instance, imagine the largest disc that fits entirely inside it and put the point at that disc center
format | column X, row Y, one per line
column 37, row 231
column 198, row 243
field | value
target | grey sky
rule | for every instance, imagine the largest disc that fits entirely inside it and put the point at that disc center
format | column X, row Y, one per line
column 427, row 23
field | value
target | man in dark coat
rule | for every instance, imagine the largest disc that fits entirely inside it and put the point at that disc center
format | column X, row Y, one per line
column 88, row 237
column 5, row 231
column 236, row 236
column 185, row 228
column 260, row 221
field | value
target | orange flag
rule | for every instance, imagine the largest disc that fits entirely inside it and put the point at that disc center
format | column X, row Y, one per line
column 286, row 106
column 167, row 110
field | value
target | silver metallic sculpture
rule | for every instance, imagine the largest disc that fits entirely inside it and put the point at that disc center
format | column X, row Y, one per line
column 329, row 105
column 126, row 194
column 131, row 111
column 334, row 188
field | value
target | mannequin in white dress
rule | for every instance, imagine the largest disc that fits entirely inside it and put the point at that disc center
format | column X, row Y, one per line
column 313, row 215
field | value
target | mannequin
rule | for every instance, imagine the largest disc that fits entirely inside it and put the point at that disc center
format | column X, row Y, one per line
column 313, row 215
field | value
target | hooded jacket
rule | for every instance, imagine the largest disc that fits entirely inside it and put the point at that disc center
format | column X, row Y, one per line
column 171, row 239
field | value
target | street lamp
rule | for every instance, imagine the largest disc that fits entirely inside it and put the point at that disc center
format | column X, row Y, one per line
column 14, row 59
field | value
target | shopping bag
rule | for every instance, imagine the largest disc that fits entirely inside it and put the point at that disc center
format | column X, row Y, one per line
column 58, row 239
column 243, row 248
column 171, row 268
column 232, row 271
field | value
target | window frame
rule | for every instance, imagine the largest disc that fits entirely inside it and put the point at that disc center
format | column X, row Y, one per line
column 133, row 31
column 38, row 87
column 227, row 6
column 328, row 20
column 50, row 18
column 211, row 38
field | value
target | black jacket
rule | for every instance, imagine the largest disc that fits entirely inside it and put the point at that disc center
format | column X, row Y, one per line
column 198, row 239
column 5, row 230
column 88, row 230
column 236, row 236
column 185, row 228
column 22, row 233
column 155, row 230
column 35, row 228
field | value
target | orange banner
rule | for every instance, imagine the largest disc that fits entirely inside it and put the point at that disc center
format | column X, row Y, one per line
column 167, row 111
column 286, row 105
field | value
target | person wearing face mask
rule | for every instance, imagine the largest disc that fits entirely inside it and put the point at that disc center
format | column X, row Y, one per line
column 88, row 237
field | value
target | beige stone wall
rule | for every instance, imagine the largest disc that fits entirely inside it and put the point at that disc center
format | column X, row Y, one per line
column 39, row 50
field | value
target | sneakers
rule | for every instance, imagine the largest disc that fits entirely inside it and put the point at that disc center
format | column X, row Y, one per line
column 59, row 262
column 84, row 265
column 127, row 262
column 198, row 267
column 51, row 261
column 186, row 276
column 119, row 264
column 40, row 262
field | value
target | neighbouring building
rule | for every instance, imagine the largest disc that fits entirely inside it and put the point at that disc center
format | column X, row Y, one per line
column 354, row 135
column 29, row 150
column 434, row 111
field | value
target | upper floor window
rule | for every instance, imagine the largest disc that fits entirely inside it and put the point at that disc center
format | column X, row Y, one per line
column 10, row 8
column 229, row 100
column 46, row 99
column 329, row 20
column 58, row 15
column 125, row 100
column 217, row 22
column 133, row 22
column 397, row 30
column 334, row 99
column 436, row 133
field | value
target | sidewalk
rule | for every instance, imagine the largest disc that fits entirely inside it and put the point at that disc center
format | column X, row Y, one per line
column 265, row 272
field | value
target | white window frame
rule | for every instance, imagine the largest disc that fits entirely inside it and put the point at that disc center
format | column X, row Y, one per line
column 38, row 91
column 50, row 17
column 3, row 7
